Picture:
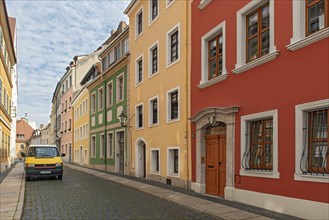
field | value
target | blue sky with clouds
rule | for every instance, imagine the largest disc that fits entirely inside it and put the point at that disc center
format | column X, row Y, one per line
column 49, row 34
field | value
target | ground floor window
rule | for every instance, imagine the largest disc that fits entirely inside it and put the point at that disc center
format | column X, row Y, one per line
column 155, row 161
column 173, row 161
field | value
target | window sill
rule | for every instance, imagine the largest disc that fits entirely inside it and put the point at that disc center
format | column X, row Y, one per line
column 213, row 81
column 173, row 121
column 138, row 36
column 311, row 178
column 156, row 173
column 153, row 75
column 261, row 174
column 203, row 4
column 300, row 43
column 153, row 125
column 139, row 128
column 176, row 175
column 257, row 62
column 153, row 21
column 173, row 63
column 138, row 84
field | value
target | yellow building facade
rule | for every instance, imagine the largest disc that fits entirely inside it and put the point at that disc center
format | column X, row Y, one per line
column 158, row 90
column 7, row 61
column 80, row 105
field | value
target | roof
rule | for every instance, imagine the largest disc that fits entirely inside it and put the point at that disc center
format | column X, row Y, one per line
column 22, row 127
column 131, row 4
column 12, row 24
column 42, row 145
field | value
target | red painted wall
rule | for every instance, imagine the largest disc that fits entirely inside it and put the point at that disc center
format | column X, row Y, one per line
column 294, row 77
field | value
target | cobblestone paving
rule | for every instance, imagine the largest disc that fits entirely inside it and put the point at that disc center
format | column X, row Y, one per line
column 83, row 196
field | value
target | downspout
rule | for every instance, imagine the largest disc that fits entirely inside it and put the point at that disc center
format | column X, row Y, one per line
column 187, row 94
column 105, row 116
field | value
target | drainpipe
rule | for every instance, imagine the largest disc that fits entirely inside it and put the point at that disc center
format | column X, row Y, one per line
column 187, row 94
column 105, row 116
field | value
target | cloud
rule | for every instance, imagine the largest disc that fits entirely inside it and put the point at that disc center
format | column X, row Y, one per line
column 49, row 35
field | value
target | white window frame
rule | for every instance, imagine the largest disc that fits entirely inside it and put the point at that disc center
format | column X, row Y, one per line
column 109, row 101
column 241, row 64
column 153, row 161
column 203, row 4
column 245, row 119
column 137, row 116
column 100, row 101
column 168, row 115
column 205, row 82
column 168, row 45
column 141, row 57
column 170, row 162
column 125, row 46
column 156, row 44
column 300, row 120
column 108, row 145
column 93, row 106
column 101, row 146
column 137, row 35
column 299, row 38
column 151, row 111
column 117, row 88
column 93, row 148
column 150, row 13
column 169, row 3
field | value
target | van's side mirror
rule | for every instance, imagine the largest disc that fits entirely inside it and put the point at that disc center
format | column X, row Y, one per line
column 62, row 155
column 23, row 154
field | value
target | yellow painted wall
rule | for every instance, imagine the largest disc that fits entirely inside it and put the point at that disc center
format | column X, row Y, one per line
column 165, row 134
column 79, row 120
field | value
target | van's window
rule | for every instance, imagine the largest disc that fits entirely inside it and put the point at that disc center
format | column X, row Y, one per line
column 43, row 152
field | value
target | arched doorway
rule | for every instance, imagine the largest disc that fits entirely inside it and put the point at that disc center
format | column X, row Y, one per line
column 141, row 159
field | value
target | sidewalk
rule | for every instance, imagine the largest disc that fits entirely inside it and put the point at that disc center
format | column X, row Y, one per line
column 215, row 206
column 12, row 190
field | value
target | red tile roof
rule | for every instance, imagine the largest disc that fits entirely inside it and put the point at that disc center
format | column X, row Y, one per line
column 22, row 127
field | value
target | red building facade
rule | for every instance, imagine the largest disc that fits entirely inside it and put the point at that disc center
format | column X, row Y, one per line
column 260, row 99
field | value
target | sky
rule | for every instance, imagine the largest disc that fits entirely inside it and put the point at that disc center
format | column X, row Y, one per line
column 49, row 34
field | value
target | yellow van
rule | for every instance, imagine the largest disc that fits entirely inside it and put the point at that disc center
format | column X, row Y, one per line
column 43, row 161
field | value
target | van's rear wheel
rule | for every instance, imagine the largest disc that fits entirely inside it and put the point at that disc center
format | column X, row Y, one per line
column 27, row 178
column 60, row 177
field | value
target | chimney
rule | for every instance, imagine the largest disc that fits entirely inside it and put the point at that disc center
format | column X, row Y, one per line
column 113, row 32
column 42, row 126
column 67, row 68
column 122, row 25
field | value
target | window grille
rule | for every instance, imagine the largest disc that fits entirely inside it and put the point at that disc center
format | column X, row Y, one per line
column 315, row 154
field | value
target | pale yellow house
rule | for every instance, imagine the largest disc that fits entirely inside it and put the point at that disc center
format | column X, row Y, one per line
column 158, row 90
column 7, row 62
column 80, row 137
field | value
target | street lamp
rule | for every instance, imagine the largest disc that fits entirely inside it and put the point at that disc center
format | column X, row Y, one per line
column 123, row 119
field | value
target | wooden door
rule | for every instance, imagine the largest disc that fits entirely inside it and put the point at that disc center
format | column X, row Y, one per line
column 215, row 164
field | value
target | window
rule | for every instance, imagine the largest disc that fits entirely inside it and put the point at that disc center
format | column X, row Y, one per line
column 120, row 88
column 255, row 35
column 109, row 145
column 117, row 50
column 310, row 23
column 173, row 45
column 100, row 99
column 109, row 96
column 153, row 59
column 70, row 101
column 104, row 66
column 312, row 149
column 258, row 24
column 213, row 59
column 154, row 10
column 173, row 105
column 139, row 22
column 173, row 162
column 154, row 111
column 316, row 15
column 93, row 146
column 155, row 161
column 70, row 81
column 125, row 45
column 22, row 146
column 139, row 70
column 112, row 57
column 101, row 147
column 139, row 118
column 93, row 102
column 215, row 56
column 70, row 121
column 259, row 149
column 66, row 84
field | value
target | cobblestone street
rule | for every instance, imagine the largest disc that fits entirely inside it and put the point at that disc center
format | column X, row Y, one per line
column 83, row 196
